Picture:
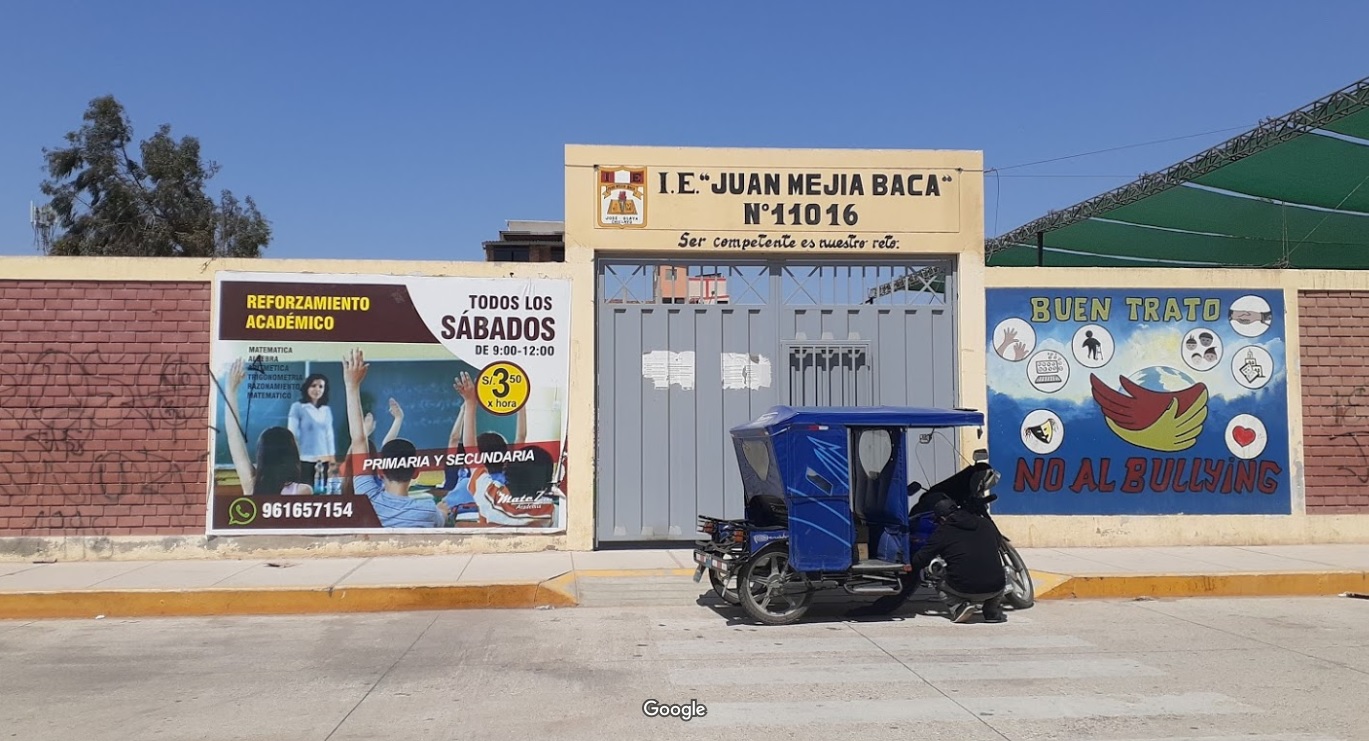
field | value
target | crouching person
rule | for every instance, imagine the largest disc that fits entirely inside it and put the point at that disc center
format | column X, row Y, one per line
column 968, row 543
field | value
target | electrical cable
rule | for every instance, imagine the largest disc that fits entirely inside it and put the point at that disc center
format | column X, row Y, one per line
column 1119, row 148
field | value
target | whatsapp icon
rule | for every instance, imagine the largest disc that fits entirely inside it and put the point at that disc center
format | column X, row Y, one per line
column 242, row 511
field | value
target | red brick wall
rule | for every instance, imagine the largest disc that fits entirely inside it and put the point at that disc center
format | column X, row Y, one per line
column 1335, row 393
column 103, row 407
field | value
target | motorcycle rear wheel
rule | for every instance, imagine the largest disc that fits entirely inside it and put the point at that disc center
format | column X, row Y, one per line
column 758, row 589
column 720, row 587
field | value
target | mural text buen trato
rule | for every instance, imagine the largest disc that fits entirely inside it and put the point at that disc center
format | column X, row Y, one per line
column 1137, row 401
column 355, row 403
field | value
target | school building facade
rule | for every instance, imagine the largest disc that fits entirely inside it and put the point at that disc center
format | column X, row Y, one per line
column 694, row 289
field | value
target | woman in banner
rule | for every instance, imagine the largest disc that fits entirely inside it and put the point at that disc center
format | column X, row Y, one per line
column 311, row 422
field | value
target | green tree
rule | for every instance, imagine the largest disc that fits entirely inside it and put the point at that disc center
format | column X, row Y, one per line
column 106, row 202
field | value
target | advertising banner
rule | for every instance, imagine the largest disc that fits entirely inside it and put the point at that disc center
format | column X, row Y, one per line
column 376, row 403
column 1137, row 401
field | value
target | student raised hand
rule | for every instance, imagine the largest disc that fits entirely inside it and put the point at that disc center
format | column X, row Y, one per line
column 466, row 387
column 236, row 373
column 397, row 412
column 354, row 368
column 353, row 371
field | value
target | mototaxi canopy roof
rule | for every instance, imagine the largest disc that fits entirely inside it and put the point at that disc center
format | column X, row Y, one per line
column 779, row 418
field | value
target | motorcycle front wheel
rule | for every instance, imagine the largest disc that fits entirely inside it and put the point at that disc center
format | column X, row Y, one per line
column 1023, row 594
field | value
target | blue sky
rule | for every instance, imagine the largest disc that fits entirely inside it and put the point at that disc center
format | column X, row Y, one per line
column 415, row 130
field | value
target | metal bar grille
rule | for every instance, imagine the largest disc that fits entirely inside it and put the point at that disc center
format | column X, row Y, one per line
column 830, row 374
column 817, row 284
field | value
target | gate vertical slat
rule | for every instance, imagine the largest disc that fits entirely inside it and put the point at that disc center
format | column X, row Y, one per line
column 761, row 329
column 655, row 481
column 607, row 394
column 627, row 407
column 708, row 399
column 683, row 421
column 734, row 336
column 944, row 386
column 914, row 334
column 888, row 334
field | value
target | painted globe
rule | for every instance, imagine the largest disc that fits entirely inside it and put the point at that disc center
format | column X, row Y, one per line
column 1162, row 378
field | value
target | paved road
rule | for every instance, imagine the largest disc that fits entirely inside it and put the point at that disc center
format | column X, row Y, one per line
column 1281, row 669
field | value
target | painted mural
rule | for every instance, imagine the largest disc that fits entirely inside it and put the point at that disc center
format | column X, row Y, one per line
column 1143, row 402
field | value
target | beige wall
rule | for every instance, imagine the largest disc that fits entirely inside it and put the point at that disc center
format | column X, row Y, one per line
column 1054, row 531
column 948, row 225
column 580, row 484
column 676, row 196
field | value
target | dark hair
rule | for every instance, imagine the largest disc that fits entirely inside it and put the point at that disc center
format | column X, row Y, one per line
column 491, row 442
column 304, row 389
column 531, row 477
column 944, row 507
column 398, row 448
column 277, row 461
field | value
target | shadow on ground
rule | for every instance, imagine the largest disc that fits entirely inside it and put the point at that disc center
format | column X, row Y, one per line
column 836, row 606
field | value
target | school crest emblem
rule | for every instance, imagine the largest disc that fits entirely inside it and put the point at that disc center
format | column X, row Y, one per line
column 622, row 197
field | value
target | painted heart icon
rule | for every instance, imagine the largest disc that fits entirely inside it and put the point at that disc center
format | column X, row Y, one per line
column 1243, row 436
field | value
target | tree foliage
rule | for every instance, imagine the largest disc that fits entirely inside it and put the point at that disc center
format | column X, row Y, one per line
column 106, row 202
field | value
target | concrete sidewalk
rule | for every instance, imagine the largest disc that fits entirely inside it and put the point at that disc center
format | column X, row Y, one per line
column 88, row 589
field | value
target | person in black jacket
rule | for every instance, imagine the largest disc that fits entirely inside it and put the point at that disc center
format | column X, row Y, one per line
column 968, row 544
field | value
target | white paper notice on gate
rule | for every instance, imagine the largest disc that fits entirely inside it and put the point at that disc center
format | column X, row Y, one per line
column 664, row 368
column 745, row 371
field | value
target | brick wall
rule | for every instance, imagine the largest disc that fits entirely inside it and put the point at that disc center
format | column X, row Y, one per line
column 103, row 407
column 1335, row 392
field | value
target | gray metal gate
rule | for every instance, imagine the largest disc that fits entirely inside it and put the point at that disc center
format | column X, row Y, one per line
column 687, row 350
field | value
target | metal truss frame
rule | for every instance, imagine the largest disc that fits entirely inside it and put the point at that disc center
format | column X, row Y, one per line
column 1350, row 99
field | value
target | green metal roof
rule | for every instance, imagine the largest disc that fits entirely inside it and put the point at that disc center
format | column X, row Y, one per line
column 1293, row 192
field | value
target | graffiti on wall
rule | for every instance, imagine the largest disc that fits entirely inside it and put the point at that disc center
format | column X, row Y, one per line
column 1138, row 401
column 67, row 416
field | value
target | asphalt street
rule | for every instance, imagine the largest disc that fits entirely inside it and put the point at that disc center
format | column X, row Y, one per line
column 1288, row 669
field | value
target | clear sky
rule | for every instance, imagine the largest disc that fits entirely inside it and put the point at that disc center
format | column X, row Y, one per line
column 414, row 130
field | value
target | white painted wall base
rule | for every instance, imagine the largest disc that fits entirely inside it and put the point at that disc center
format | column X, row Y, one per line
column 166, row 547
column 1087, row 531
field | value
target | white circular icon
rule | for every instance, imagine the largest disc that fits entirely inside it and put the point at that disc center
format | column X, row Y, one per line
column 1246, row 436
column 1252, row 366
column 1202, row 349
column 1014, row 339
column 1042, row 432
column 1250, row 316
column 1092, row 346
column 1048, row 371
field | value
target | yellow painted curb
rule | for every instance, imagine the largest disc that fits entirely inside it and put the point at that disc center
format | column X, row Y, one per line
column 285, row 601
column 1045, row 583
column 1131, row 586
column 563, row 587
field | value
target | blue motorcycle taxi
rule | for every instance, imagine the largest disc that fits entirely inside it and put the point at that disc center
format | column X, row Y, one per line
column 823, row 484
